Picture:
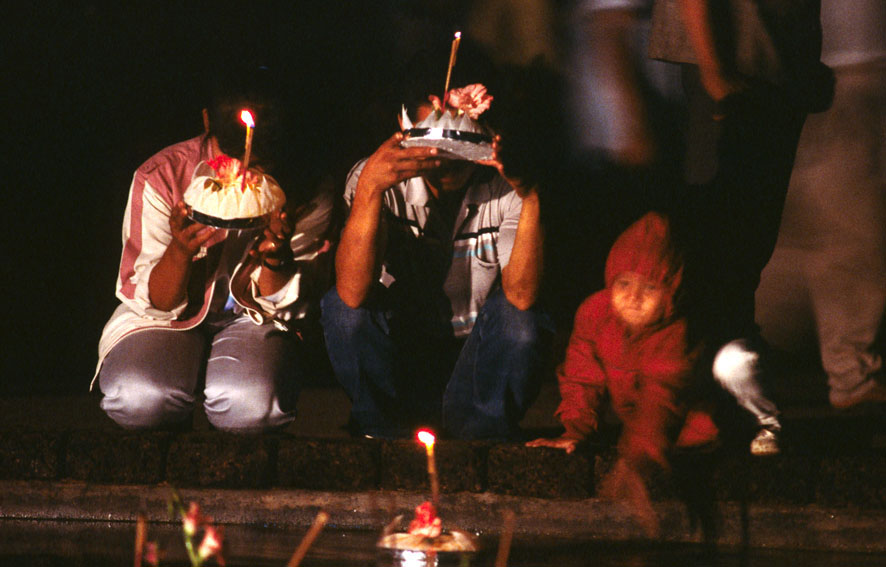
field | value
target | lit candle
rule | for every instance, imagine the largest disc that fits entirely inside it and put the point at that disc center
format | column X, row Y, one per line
column 452, row 53
column 246, row 118
column 426, row 437
column 141, row 534
column 504, row 543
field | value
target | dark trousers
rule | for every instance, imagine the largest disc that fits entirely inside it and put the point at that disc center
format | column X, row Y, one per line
column 738, row 169
column 399, row 377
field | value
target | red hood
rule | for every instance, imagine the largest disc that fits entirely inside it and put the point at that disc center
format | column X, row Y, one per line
column 646, row 248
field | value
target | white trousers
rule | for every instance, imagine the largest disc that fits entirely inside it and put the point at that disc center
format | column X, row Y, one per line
column 251, row 377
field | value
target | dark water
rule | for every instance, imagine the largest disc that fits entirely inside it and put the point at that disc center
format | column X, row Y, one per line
column 70, row 544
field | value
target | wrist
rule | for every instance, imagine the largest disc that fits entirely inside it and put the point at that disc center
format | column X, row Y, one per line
column 276, row 264
column 180, row 254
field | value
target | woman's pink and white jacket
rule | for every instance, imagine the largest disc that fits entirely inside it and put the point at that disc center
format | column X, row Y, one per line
column 156, row 187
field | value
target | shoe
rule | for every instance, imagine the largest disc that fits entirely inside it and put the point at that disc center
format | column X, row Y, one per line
column 765, row 444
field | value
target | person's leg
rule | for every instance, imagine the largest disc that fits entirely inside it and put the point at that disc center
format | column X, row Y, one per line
column 496, row 376
column 252, row 377
column 849, row 310
column 739, row 368
column 846, row 270
column 362, row 355
column 742, row 164
column 149, row 379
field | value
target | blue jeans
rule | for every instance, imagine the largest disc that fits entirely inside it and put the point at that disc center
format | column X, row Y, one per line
column 400, row 377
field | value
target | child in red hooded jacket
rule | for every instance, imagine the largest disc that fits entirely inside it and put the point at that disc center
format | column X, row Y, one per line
column 628, row 346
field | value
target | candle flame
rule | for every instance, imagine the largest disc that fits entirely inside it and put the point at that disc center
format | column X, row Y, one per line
column 458, row 35
column 246, row 118
column 426, row 437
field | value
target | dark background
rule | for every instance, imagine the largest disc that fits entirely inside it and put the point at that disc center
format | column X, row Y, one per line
column 94, row 89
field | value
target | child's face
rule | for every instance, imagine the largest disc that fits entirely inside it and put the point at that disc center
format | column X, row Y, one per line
column 638, row 301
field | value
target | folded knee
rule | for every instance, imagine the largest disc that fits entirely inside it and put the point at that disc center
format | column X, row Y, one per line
column 137, row 404
column 245, row 410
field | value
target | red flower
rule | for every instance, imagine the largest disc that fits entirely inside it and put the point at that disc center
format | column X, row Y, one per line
column 152, row 553
column 211, row 544
column 193, row 519
column 226, row 168
column 426, row 522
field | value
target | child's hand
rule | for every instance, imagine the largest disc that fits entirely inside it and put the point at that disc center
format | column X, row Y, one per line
column 625, row 483
column 567, row 445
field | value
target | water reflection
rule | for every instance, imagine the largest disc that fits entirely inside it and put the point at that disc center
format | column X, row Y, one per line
column 97, row 544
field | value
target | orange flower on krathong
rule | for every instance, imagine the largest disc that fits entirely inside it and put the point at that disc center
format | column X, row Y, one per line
column 472, row 100
column 435, row 102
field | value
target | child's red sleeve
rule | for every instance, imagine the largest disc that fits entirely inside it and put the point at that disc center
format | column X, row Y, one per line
column 581, row 377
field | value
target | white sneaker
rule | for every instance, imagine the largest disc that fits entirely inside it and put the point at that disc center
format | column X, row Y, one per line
column 765, row 443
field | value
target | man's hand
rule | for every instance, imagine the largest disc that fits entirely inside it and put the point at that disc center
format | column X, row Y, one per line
column 567, row 445
column 187, row 236
column 391, row 163
column 520, row 188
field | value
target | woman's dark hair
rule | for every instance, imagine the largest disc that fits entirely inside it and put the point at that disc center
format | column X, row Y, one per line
column 285, row 139
column 263, row 93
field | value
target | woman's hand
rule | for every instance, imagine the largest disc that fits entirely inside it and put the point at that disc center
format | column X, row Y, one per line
column 274, row 247
column 168, row 282
column 187, row 236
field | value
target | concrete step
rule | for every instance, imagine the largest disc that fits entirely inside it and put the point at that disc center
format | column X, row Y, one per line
column 63, row 459
column 825, row 461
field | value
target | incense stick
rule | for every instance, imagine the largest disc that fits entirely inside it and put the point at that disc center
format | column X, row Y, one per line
column 302, row 549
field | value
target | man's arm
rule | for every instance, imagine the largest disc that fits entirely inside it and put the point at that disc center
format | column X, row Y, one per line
column 358, row 251
column 697, row 21
column 521, row 278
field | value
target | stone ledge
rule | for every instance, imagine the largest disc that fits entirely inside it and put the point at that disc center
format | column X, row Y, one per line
column 752, row 525
column 220, row 460
column 126, row 458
